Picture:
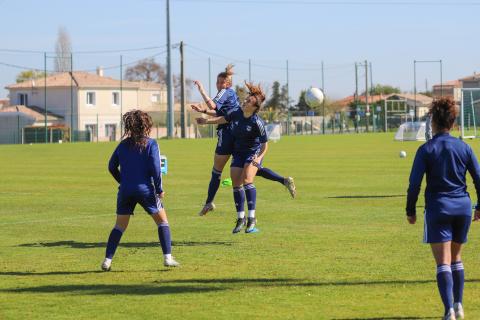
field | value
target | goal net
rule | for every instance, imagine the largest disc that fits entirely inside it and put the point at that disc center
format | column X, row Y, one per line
column 469, row 112
column 411, row 131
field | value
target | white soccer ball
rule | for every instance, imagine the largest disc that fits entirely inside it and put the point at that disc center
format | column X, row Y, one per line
column 403, row 154
column 314, row 97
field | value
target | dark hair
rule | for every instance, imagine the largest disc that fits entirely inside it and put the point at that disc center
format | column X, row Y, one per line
column 444, row 112
column 227, row 74
column 137, row 125
column 257, row 92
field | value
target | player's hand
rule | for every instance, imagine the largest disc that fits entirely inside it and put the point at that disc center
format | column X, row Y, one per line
column 201, row 120
column 198, row 84
column 256, row 162
column 412, row 219
column 198, row 108
column 476, row 215
column 161, row 195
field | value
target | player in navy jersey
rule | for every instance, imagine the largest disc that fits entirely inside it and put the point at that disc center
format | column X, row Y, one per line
column 250, row 146
column 225, row 101
column 138, row 157
column 448, row 208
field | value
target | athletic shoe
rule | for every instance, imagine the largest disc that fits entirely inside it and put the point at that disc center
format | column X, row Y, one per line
column 251, row 222
column 107, row 264
column 457, row 307
column 239, row 225
column 290, row 185
column 207, row 207
column 450, row 315
column 170, row 262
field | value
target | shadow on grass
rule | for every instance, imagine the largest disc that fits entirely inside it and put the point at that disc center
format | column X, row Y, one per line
column 89, row 245
column 369, row 197
column 387, row 318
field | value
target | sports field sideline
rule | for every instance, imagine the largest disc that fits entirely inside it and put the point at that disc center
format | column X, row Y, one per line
column 341, row 250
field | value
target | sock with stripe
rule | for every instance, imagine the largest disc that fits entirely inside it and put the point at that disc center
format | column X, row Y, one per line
column 458, row 275
column 445, row 285
column 239, row 198
column 164, row 237
column 251, row 195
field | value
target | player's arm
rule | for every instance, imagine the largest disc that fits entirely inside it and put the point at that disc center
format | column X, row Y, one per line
column 263, row 150
column 210, row 103
column 197, row 107
column 214, row 120
column 474, row 170
column 154, row 167
column 113, row 165
column 415, row 182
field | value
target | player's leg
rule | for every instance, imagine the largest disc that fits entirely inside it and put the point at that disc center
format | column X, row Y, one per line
column 461, row 225
column 164, row 236
column 219, row 162
column 121, row 225
column 249, row 172
column 236, row 173
column 269, row 174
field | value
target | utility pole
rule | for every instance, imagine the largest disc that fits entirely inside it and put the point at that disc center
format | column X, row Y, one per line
column 121, row 97
column 249, row 70
column 357, row 116
column 71, row 97
column 45, row 94
column 182, row 93
column 170, row 117
column 323, row 102
column 367, row 107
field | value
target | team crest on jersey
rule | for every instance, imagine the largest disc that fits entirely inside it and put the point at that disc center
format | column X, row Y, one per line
column 248, row 128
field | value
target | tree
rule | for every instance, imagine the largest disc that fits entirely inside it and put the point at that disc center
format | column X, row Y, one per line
column 146, row 70
column 279, row 100
column 382, row 89
column 302, row 104
column 29, row 75
column 63, row 50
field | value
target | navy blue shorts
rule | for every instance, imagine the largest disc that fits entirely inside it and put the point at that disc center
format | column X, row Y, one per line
column 239, row 160
column 126, row 203
column 444, row 227
column 225, row 141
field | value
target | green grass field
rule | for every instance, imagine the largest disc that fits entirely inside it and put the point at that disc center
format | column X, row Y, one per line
column 341, row 250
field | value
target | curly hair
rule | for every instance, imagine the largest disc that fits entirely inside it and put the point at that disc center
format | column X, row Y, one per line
column 227, row 74
column 257, row 92
column 444, row 112
column 137, row 125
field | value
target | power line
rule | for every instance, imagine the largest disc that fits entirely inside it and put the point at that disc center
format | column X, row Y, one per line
column 352, row 3
column 84, row 52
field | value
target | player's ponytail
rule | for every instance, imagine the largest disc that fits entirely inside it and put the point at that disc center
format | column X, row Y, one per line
column 137, row 125
column 257, row 92
column 444, row 112
column 227, row 74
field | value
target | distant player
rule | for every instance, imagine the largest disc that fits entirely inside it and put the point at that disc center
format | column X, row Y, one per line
column 224, row 102
column 448, row 209
column 250, row 146
column 428, row 126
column 140, row 183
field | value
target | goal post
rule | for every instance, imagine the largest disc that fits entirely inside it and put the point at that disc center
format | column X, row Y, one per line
column 469, row 112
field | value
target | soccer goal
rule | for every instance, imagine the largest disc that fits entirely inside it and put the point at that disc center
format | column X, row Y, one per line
column 469, row 112
column 411, row 131
column 274, row 131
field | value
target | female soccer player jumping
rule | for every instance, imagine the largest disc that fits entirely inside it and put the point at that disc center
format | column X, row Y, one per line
column 224, row 102
column 140, row 182
column 448, row 209
column 250, row 146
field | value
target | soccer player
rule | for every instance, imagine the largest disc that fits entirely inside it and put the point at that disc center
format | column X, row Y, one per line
column 224, row 102
column 140, row 182
column 250, row 146
column 448, row 209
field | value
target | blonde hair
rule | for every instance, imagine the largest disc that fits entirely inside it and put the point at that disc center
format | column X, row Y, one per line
column 227, row 74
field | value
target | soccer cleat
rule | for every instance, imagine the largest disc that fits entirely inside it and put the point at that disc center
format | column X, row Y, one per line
column 290, row 185
column 170, row 262
column 207, row 207
column 107, row 264
column 457, row 307
column 450, row 315
column 239, row 225
column 251, row 222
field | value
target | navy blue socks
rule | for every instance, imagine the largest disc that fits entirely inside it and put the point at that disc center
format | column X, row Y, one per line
column 113, row 241
column 458, row 275
column 239, row 198
column 251, row 195
column 164, row 237
column 270, row 175
column 445, row 285
column 213, row 185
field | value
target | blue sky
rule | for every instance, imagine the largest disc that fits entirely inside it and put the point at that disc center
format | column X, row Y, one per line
column 389, row 34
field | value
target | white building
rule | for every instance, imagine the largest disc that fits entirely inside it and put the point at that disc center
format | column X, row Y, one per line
column 89, row 102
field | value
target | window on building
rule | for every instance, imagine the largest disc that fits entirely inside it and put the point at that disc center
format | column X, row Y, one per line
column 91, row 98
column 23, row 99
column 92, row 130
column 155, row 98
column 116, row 98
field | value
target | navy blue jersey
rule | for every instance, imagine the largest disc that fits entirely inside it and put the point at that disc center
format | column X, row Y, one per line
column 445, row 160
column 225, row 101
column 139, row 170
column 248, row 133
